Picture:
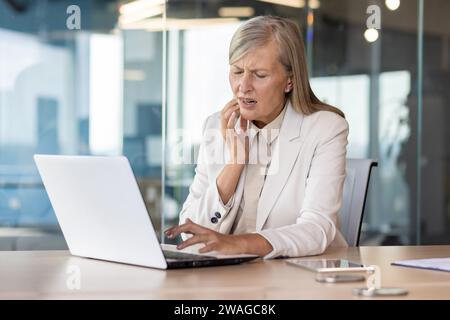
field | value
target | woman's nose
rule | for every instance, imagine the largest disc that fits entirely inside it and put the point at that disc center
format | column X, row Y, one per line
column 246, row 84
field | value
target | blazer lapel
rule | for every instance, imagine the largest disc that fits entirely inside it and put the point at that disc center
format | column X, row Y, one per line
column 285, row 154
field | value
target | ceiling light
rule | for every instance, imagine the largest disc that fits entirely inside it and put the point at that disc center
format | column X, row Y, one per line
column 314, row 4
column 236, row 12
column 139, row 5
column 392, row 4
column 130, row 17
column 371, row 35
column 288, row 3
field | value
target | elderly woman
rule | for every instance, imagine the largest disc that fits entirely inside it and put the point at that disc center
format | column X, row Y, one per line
column 279, row 188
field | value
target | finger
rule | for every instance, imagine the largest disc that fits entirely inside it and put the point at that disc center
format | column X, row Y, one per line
column 230, row 105
column 199, row 238
column 208, row 248
column 189, row 227
column 229, row 131
column 169, row 231
column 225, row 117
column 186, row 228
column 231, row 121
column 171, row 235
column 229, row 112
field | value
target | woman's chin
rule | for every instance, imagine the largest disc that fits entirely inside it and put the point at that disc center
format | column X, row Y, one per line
column 247, row 113
column 249, row 107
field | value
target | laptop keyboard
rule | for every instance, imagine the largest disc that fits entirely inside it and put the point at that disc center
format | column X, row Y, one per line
column 185, row 256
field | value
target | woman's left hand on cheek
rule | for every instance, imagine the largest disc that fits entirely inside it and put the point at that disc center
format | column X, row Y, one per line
column 214, row 241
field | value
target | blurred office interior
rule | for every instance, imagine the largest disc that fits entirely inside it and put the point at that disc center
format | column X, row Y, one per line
column 138, row 78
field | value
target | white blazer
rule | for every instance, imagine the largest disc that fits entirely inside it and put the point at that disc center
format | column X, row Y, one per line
column 298, row 208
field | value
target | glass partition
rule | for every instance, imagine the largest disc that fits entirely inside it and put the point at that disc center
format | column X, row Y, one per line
column 76, row 78
column 432, row 114
column 363, row 58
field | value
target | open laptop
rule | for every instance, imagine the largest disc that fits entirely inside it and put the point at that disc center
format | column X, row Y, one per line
column 102, row 214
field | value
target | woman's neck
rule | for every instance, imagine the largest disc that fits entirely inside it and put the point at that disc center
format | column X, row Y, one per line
column 262, row 123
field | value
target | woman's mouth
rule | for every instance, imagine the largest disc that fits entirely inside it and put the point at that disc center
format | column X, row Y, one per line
column 248, row 102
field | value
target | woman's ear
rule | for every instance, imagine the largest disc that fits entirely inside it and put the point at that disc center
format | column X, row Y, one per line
column 288, row 86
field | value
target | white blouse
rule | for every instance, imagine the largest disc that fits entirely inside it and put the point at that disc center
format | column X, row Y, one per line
column 255, row 173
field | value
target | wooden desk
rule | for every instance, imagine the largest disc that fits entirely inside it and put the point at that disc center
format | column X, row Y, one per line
column 44, row 275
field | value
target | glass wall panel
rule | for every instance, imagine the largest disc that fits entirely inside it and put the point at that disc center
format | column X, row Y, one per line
column 364, row 61
column 371, row 75
column 435, row 133
column 76, row 78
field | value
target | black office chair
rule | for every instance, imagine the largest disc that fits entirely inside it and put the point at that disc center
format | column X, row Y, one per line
column 355, row 193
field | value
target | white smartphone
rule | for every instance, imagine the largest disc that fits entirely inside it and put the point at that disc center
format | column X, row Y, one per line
column 338, row 278
column 372, row 292
column 329, row 265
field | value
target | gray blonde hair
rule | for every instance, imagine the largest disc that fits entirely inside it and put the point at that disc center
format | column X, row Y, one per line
column 259, row 31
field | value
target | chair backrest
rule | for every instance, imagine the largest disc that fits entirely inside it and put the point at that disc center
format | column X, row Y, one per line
column 355, row 193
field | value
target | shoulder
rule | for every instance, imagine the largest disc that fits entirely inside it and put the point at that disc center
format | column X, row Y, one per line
column 327, row 118
column 325, row 125
column 326, row 121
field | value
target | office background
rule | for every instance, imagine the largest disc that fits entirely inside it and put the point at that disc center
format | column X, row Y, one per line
column 139, row 77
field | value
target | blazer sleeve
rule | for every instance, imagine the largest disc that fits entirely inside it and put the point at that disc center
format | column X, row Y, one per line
column 203, row 204
column 315, row 227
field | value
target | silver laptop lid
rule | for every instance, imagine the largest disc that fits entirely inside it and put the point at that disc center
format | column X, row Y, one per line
column 100, row 209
